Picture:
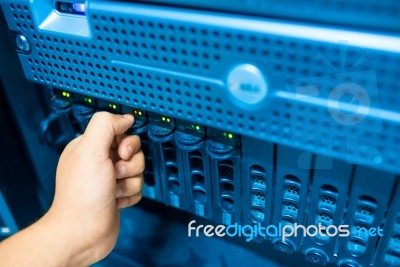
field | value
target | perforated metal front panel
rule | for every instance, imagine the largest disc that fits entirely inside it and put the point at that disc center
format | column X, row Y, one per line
column 372, row 14
column 331, row 91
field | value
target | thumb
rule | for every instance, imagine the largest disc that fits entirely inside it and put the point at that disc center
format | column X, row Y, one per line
column 102, row 129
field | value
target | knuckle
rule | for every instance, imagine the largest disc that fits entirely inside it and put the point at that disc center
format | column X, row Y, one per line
column 69, row 146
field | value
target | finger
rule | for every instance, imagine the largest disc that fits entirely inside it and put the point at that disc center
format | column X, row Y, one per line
column 128, row 146
column 129, row 186
column 128, row 201
column 132, row 167
column 102, row 129
column 117, row 141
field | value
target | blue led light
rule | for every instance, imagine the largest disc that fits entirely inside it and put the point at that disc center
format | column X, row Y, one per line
column 79, row 7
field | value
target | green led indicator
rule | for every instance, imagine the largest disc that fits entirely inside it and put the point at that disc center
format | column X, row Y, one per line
column 196, row 127
column 166, row 119
column 229, row 135
column 89, row 100
column 65, row 94
column 137, row 112
column 113, row 106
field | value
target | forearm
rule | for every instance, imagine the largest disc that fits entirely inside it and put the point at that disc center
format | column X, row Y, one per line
column 45, row 243
column 82, row 225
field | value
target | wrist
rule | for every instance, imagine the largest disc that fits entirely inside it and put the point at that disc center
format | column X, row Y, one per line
column 65, row 239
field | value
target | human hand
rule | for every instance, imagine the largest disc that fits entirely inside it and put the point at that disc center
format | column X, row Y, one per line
column 98, row 173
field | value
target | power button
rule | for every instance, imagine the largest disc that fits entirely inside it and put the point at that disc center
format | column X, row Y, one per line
column 247, row 84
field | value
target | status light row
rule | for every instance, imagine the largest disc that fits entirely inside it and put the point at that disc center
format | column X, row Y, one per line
column 138, row 112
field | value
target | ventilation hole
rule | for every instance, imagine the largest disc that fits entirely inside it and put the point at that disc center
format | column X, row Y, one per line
column 196, row 161
column 290, row 206
column 366, row 210
column 257, row 214
column 325, row 218
column 258, row 177
column 288, row 220
column 328, row 199
column 225, row 169
column 169, row 152
column 392, row 258
column 174, row 185
column 357, row 245
column 227, row 203
column 199, row 188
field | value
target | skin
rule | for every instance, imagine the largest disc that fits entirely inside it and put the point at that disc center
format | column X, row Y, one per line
column 98, row 173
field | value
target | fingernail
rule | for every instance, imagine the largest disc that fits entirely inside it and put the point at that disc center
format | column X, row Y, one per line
column 128, row 116
column 130, row 150
column 121, row 171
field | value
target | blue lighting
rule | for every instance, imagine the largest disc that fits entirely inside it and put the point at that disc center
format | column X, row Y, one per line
column 79, row 7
